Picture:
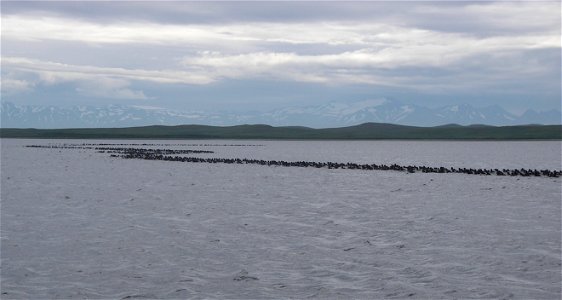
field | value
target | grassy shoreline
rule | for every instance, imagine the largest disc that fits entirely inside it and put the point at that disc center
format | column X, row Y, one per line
column 366, row 131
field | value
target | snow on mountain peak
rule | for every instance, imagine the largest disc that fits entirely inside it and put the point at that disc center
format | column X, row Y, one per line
column 332, row 114
column 148, row 107
column 342, row 109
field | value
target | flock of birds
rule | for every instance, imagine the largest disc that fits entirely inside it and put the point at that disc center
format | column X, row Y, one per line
column 166, row 155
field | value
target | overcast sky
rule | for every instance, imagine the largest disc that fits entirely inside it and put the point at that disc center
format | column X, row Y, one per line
column 266, row 55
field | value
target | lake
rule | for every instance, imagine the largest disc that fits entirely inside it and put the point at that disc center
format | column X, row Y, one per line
column 80, row 224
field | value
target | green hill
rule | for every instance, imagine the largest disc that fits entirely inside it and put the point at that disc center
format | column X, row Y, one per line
column 363, row 131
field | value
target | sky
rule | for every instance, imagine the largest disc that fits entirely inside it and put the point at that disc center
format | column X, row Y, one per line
column 240, row 56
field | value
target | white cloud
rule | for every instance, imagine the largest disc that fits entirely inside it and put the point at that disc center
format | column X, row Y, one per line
column 90, row 80
column 89, row 86
column 359, row 52
column 372, row 45
column 33, row 28
column 241, row 35
column 109, row 88
column 54, row 72
column 361, row 66
column 364, row 66
column 11, row 86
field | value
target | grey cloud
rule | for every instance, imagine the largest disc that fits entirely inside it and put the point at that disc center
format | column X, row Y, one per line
column 188, row 12
column 424, row 48
column 478, row 17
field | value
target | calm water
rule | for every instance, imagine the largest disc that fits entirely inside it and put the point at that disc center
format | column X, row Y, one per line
column 470, row 154
column 543, row 154
column 80, row 224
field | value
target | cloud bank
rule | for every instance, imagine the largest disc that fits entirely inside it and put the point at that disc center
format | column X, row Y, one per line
column 424, row 47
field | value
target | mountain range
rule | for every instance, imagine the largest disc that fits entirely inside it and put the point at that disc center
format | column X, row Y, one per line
column 335, row 114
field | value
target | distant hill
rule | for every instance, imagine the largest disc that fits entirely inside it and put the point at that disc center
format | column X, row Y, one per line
column 335, row 114
column 363, row 131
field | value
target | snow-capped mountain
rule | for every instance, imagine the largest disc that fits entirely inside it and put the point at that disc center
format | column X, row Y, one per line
column 334, row 114
column 395, row 112
column 545, row 117
column 26, row 116
column 343, row 114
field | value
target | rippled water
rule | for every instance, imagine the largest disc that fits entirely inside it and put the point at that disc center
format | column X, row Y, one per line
column 79, row 224
column 470, row 154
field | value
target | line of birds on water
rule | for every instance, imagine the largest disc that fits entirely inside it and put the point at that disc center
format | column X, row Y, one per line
column 149, row 154
column 122, row 150
column 144, row 144
column 164, row 155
